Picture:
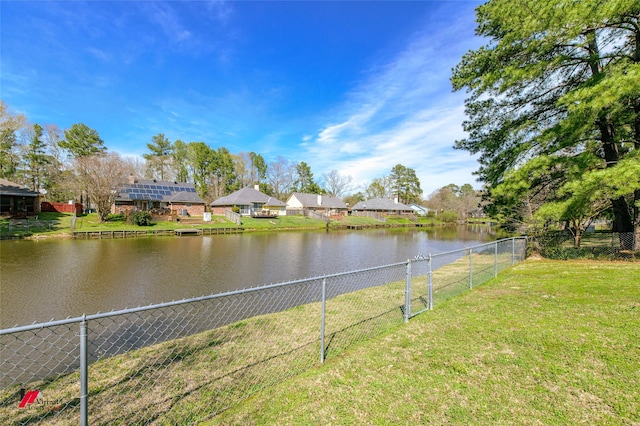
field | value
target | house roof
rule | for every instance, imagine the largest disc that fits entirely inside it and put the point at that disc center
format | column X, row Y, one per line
column 11, row 188
column 152, row 190
column 381, row 204
column 185, row 197
column 418, row 207
column 326, row 201
column 247, row 196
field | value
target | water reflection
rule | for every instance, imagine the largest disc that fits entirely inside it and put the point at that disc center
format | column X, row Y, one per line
column 41, row 280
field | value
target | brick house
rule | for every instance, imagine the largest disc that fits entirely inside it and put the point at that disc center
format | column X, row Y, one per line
column 162, row 196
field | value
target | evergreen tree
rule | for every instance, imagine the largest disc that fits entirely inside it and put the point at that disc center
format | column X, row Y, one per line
column 80, row 140
column 554, row 98
column 304, row 180
column 9, row 158
column 158, row 160
column 36, row 158
column 179, row 160
column 405, row 184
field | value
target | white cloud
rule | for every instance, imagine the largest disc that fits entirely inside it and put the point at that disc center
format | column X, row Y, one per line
column 168, row 20
column 403, row 113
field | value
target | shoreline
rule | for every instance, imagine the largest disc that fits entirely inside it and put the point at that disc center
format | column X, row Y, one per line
column 93, row 229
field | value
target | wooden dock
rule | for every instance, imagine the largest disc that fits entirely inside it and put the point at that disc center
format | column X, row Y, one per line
column 354, row 226
column 183, row 232
column 154, row 233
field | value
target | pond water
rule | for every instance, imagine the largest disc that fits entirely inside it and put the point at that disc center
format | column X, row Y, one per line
column 49, row 279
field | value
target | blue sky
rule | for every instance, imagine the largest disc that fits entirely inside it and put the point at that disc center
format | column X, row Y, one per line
column 354, row 86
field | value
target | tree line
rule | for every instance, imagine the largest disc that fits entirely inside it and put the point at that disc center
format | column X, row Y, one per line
column 75, row 164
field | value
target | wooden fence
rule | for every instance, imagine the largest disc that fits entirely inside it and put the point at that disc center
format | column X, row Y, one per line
column 47, row 206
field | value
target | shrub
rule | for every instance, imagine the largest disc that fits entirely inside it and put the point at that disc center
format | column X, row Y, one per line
column 141, row 218
column 116, row 217
column 448, row 217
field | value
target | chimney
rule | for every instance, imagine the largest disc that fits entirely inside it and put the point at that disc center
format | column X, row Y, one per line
column 132, row 179
column 319, row 199
column 256, row 187
column 395, row 199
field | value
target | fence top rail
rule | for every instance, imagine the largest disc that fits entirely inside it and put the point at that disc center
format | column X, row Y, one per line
column 99, row 315
column 489, row 244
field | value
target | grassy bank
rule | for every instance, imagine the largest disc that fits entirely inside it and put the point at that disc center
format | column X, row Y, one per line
column 547, row 342
column 59, row 224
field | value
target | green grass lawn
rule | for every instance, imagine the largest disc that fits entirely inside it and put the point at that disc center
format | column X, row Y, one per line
column 283, row 222
column 547, row 342
column 59, row 224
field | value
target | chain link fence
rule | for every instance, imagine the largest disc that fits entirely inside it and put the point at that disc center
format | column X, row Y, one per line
column 591, row 245
column 185, row 361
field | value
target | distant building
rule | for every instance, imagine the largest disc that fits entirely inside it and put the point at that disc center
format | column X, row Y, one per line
column 327, row 204
column 178, row 197
column 385, row 206
column 17, row 200
column 249, row 201
column 419, row 210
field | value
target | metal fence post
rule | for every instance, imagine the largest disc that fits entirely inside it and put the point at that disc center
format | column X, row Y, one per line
column 430, row 283
column 513, row 251
column 611, row 253
column 407, row 293
column 322, row 321
column 470, row 268
column 495, row 264
column 84, row 373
